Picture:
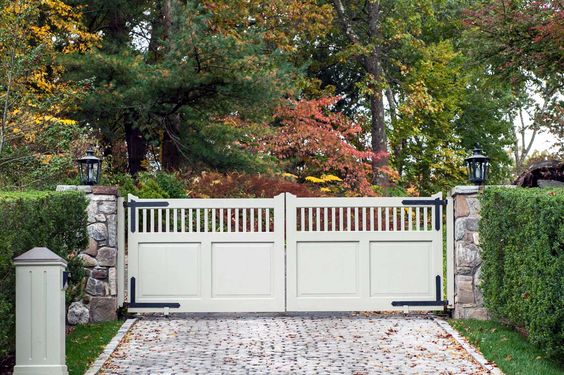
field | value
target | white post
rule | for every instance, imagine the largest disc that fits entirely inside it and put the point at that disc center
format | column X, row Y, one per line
column 450, row 250
column 40, row 313
column 121, row 251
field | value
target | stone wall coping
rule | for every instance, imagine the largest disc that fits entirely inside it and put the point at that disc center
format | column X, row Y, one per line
column 89, row 189
column 105, row 190
column 84, row 188
column 474, row 189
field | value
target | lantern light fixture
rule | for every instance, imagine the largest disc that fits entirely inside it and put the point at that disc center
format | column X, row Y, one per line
column 477, row 166
column 89, row 168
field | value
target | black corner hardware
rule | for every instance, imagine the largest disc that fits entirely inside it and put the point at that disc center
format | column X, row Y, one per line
column 437, row 301
column 66, row 278
column 173, row 305
column 132, row 204
column 437, row 202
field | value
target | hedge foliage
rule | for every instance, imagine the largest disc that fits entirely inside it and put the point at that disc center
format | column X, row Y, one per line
column 522, row 236
column 29, row 219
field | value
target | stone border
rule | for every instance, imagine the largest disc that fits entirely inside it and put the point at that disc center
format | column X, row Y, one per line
column 109, row 349
column 478, row 357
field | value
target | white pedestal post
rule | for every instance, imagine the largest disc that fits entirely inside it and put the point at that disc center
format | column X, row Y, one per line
column 40, row 313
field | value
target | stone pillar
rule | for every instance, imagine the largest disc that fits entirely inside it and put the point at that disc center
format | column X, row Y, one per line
column 40, row 313
column 468, row 299
column 99, row 258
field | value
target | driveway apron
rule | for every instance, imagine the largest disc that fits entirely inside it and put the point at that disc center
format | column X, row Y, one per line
column 309, row 344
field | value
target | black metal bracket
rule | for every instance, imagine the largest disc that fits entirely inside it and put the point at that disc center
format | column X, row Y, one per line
column 437, row 202
column 437, row 302
column 132, row 205
column 132, row 302
column 66, row 278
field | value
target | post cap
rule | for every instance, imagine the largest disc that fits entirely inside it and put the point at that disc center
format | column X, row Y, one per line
column 39, row 255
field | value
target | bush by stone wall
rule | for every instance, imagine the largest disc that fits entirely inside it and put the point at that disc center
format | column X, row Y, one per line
column 522, row 240
column 48, row 219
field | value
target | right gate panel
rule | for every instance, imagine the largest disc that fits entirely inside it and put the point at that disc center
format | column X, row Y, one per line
column 346, row 254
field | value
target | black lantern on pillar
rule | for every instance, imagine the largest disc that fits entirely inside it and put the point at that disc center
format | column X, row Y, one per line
column 89, row 168
column 478, row 166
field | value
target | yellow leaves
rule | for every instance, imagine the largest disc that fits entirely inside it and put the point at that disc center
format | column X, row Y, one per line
column 323, row 179
column 41, row 32
column 330, row 178
column 412, row 191
column 313, row 179
column 45, row 159
column 53, row 119
column 290, row 175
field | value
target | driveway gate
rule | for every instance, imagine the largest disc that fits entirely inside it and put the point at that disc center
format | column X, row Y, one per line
column 200, row 255
column 286, row 254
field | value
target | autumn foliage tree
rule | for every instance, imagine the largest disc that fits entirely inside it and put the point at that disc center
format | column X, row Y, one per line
column 311, row 140
column 34, row 99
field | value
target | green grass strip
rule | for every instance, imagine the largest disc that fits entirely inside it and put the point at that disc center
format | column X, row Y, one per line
column 86, row 342
column 508, row 349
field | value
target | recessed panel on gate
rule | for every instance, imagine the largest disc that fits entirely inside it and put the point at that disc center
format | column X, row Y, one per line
column 169, row 269
column 401, row 268
column 327, row 269
column 242, row 270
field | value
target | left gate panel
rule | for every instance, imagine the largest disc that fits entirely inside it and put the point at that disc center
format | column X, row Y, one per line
column 206, row 255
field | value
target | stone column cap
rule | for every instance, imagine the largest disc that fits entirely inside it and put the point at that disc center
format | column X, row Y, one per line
column 474, row 189
column 39, row 255
column 83, row 188
column 105, row 190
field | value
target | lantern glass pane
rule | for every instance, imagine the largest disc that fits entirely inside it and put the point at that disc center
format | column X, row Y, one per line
column 478, row 171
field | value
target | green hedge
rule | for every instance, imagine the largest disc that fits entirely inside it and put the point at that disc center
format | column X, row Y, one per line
column 522, row 235
column 54, row 220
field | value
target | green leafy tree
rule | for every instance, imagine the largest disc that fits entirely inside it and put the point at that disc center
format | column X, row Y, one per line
column 175, row 96
column 435, row 102
column 521, row 44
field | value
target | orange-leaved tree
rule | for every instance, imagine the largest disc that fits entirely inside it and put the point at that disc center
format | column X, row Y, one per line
column 309, row 139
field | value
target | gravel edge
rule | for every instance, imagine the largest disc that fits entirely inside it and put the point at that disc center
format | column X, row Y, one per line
column 474, row 353
column 109, row 349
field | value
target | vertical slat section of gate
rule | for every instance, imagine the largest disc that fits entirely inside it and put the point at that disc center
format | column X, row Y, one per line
column 348, row 254
column 206, row 255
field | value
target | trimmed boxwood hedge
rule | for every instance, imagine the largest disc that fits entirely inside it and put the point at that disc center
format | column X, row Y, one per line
column 522, row 240
column 28, row 219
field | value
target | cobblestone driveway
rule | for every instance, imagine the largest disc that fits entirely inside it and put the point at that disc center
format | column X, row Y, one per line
column 342, row 344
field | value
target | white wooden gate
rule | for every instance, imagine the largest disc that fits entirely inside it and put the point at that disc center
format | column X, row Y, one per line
column 286, row 254
column 347, row 254
column 200, row 255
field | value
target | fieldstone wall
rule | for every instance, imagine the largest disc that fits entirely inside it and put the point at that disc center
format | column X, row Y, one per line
column 99, row 258
column 468, row 298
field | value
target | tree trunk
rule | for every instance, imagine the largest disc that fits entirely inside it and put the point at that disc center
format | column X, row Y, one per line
column 376, row 71
column 136, row 149
column 372, row 64
column 170, row 152
column 378, row 135
column 169, row 148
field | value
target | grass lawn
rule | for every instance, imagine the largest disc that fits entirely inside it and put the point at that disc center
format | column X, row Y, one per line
column 86, row 342
column 510, row 351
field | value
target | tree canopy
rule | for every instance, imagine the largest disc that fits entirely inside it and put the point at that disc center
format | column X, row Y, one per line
column 346, row 98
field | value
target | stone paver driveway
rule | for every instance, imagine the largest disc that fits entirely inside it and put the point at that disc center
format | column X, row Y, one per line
column 339, row 344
